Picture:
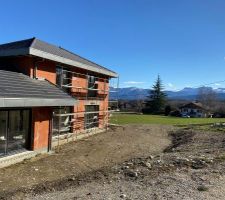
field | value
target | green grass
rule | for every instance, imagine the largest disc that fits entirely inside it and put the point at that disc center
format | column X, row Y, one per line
column 123, row 119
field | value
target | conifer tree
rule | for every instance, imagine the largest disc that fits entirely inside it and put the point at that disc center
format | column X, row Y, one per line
column 157, row 98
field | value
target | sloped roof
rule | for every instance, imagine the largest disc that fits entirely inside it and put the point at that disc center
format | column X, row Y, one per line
column 43, row 49
column 19, row 90
column 193, row 105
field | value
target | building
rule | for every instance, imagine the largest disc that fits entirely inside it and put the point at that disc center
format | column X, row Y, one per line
column 49, row 95
column 193, row 109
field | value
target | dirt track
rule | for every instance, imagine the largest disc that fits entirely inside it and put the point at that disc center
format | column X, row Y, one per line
column 79, row 158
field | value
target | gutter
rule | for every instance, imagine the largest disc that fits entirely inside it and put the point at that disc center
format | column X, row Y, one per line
column 36, row 102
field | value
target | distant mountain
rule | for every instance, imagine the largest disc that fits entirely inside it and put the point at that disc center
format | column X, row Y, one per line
column 188, row 93
column 129, row 93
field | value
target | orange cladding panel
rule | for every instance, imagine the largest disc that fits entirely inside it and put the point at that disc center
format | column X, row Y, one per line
column 41, row 118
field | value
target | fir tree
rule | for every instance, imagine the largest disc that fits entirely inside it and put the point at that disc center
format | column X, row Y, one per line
column 157, row 98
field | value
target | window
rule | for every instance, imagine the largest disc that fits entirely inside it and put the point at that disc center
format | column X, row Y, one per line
column 92, row 86
column 63, row 78
column 61, row 124
column 91, row 118
column 59, row 76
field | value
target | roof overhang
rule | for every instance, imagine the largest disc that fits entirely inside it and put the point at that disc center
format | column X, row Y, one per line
column 42, row 54
column 49, row 56
column 35, row 102
column 192, row 107
column 15, row 52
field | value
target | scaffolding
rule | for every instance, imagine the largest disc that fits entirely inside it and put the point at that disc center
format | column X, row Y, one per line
column 94, row 93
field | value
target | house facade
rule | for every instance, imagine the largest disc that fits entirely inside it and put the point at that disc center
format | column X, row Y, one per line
column 48, row 95
column 193, row 109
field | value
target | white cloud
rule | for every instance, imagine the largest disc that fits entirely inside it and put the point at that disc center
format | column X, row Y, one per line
column 216, row 85
column 170, row 85
column 133, row 82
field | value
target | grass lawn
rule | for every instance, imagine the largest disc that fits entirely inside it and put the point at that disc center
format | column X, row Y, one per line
column 123, row 119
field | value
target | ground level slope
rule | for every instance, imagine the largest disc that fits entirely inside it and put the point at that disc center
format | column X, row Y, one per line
column 81, row 158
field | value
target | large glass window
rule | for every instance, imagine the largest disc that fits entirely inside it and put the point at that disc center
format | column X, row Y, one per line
column 14, row 130
column 18, row 129
column 61, row 124
column 92, row 116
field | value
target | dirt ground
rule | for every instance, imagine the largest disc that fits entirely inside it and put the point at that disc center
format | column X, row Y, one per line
column 139, row 162
column 82, row 161
column 192, row 167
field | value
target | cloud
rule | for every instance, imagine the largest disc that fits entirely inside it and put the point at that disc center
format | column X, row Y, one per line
column 133, row 82
column 216, row 85
column 170, row 85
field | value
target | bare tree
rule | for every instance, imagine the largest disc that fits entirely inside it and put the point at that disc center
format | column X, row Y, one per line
column 207, row 97
column 140, row 105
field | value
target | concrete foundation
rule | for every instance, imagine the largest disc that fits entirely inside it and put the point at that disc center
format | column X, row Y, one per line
column 16, row 158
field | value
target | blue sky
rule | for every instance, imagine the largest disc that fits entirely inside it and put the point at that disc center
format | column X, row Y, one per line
column 182, row 40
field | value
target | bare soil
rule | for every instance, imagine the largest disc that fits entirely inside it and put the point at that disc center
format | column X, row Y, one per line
column 138, row 162
column 78, row 163
column 191, row 167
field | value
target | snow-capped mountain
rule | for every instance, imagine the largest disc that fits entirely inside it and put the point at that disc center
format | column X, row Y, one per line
column 188, row 93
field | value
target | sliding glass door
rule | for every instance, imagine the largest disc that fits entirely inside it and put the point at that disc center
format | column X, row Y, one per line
column 14, row 129
column 3, row 131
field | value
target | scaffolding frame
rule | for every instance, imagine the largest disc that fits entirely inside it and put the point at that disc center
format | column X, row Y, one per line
column 77, row 122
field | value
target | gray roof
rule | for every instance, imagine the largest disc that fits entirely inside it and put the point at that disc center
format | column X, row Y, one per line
column 43, row 49
column 193, row 105
column 19, row 90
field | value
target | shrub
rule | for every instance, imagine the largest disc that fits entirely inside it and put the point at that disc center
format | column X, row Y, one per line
column 167, row 110
column 175, row 113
